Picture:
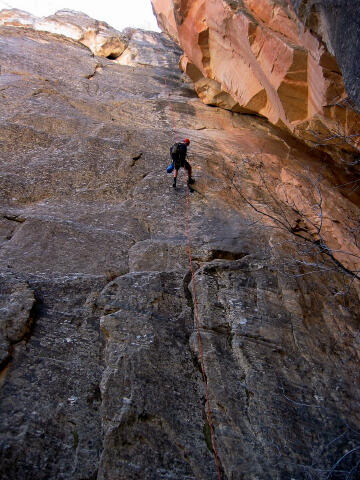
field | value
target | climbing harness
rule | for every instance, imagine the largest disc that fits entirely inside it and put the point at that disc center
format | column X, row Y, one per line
column 196, row 309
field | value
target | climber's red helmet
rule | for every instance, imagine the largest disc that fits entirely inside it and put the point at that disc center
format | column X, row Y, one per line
column 186, row 141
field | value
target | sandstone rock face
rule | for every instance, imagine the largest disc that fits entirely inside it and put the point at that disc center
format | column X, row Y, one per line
column 99, row 37
column 337, row 24
column 258, row 57
column 148, row 48
column 100, row 375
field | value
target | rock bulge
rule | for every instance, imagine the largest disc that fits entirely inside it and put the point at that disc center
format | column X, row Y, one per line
column 258, row 57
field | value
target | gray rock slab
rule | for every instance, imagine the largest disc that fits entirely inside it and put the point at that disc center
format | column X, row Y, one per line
column 93, row 249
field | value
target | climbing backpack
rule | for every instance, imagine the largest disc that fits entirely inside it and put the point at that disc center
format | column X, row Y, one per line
column 178, row 153
column 175, row 149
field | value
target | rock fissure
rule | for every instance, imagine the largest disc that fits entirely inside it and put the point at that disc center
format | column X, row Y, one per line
column 97, row 68
column 5, row 361
column 15, row 218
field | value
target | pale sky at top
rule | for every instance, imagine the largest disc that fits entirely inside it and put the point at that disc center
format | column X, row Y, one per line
column 117, row 13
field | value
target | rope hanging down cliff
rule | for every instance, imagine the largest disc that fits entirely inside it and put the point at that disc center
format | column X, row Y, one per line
column 196, row 310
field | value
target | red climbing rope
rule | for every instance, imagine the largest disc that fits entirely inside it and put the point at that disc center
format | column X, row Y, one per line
column 172, row 116
column 196, row 312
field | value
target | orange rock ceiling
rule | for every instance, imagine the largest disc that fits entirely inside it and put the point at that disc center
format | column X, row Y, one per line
column 257, row 57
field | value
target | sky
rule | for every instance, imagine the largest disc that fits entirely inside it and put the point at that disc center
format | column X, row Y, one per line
column 117, row 13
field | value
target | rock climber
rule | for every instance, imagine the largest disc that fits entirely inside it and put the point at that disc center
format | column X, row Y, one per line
column 178, row 153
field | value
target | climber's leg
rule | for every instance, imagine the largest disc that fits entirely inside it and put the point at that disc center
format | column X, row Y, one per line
column 176, row 171
column 188, row 169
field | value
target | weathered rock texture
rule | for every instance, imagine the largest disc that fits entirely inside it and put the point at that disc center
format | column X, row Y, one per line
column 100, row 361
column 99, row 37
column 258, row 57
column 337, row 24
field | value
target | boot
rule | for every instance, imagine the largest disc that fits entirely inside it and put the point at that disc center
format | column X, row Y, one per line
column 174, row 183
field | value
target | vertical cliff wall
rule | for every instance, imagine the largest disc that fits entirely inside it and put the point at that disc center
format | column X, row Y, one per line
column 100, row 374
